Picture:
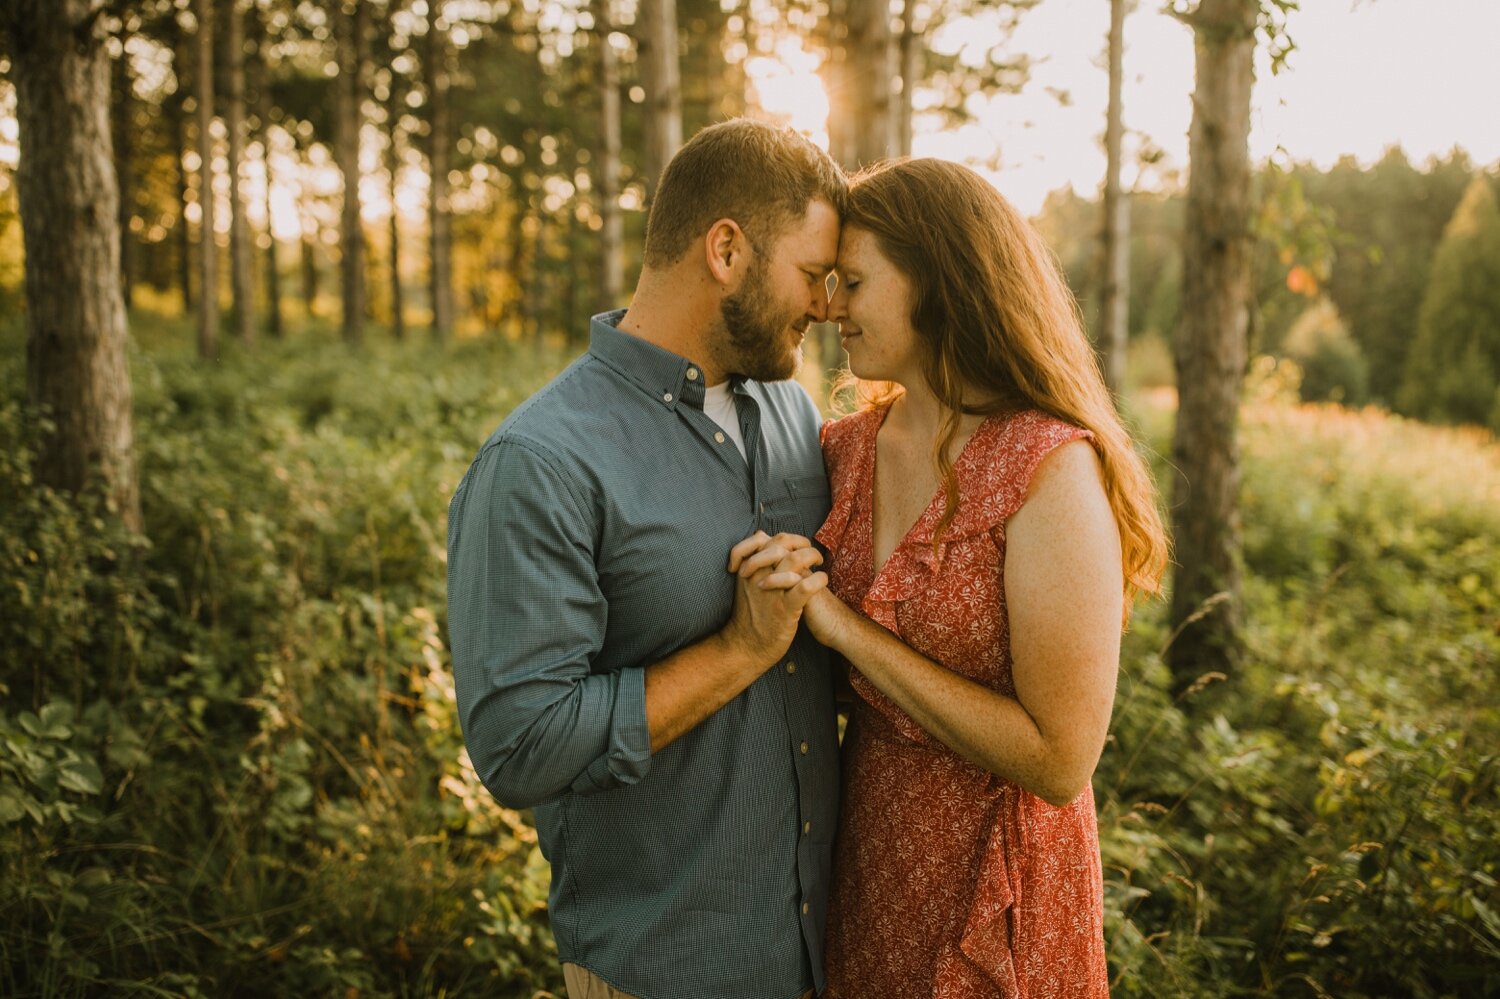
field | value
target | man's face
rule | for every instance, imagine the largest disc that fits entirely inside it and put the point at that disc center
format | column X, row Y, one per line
column 766, row 317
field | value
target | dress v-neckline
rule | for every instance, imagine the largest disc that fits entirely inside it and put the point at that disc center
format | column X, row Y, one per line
column 935, row 501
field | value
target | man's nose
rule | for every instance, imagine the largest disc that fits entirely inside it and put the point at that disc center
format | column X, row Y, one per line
column 819, row 308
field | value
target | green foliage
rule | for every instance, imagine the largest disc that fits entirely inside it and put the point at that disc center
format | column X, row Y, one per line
column 1322, row 824
column 1333, row 369
column 1454, row 371
column 230, row 761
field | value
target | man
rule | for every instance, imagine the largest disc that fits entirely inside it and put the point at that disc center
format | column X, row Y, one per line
column 668, row 721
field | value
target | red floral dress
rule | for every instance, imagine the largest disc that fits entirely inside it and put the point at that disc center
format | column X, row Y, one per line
column 950, row 882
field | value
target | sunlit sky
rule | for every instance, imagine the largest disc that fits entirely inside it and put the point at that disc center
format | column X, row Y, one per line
column 1367, row 74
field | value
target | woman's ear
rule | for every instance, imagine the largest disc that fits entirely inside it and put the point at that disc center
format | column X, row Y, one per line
column 727, row 251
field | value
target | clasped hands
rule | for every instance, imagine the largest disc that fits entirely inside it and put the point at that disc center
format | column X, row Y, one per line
column 777, row 583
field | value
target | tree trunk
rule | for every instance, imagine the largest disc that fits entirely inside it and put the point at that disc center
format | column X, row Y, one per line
column 612, row 234
column 274, row 322
column 239, row 227
column 351, row 90
column 838, row 80
column 75, row 315
column 869, row 49
column 208, row 256
column 393, row 165
column 439, row 219
column 178, row 115
column 1212, row 344
column 122, row 106
column 661, row 78
column 910, row 58
column 1114, row 311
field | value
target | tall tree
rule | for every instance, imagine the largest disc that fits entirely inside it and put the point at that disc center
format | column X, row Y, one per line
column 176, row 111
column 208, row 254
column 909, row 63
column 612, row 233
column 1114, row 313
column 263, row 105
column 351, row 28
column 435, row 66
column 122, row 86
column 1212, row 343
column 660, row 76
column 393, row 170
column 870, row 55
column 1453, row 371
column 75, row 314
column 234, row 120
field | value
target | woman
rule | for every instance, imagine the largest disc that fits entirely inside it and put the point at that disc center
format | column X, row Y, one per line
column 990, row 522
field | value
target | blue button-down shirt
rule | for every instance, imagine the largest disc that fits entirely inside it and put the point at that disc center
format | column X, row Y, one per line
column 589, row 540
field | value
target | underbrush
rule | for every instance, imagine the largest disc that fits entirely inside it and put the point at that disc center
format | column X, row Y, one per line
column 230, row 762
column 230, row 757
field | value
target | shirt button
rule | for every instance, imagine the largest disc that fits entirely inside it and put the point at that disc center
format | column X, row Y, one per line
column 806, row 908
column 806, row 828
column 791, row 667
column 719, row 436
column 803, row 747
column 692, row 374
column 666, row 397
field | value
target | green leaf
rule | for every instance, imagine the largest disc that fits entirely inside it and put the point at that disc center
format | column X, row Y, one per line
column 11, row 808
column 81, row 774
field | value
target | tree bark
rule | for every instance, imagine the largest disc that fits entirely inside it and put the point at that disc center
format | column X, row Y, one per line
column 75, row 314
column 240, row 280
column 274, row 322
column 661, row 78
column 869, row 52
column 1115, row 305
column 177, row 112
column 1212, row 345
column 393, row 166
column 208, row 255
column 612, row 233
column 122, row 106
column 350, row 20
column 910, row 58
column 439, row 217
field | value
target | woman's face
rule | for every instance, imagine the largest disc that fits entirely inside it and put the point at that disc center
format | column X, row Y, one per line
column 872, row 305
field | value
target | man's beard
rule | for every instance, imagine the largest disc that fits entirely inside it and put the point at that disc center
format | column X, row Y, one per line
column 755, row 332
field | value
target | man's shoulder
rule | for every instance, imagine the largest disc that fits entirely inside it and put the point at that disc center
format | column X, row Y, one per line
column 564, row 409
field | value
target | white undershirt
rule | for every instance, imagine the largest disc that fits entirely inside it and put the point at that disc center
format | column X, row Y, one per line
column 718, row 403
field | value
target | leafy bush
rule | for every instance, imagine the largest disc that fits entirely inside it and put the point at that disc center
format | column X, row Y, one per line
column 262, row 788
column 230, row 762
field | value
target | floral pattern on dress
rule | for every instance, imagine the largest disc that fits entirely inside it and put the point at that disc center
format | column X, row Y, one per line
column 949, row 881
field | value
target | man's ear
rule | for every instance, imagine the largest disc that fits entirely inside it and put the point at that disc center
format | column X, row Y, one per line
column 727, row 251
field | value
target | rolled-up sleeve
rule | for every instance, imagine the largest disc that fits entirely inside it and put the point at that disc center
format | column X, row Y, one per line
column 526, row 619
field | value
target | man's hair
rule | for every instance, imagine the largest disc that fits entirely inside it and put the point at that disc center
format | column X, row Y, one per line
column 761, row 176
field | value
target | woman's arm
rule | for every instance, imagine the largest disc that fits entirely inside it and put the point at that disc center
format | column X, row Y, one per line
column 1064, row 593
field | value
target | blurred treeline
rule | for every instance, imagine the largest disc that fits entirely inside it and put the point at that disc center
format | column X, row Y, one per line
column 1381, row 282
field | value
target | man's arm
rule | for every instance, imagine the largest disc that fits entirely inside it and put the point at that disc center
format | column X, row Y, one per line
column 526, row 617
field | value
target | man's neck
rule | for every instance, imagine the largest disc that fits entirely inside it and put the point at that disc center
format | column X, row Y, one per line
column 667, row 311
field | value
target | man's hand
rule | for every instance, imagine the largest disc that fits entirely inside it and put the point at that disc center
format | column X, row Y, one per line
column 773, row 584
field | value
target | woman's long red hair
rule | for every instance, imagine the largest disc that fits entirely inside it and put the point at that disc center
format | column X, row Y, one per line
column 1003, row 333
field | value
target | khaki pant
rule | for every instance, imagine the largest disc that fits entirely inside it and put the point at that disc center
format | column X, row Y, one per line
column 584, row 984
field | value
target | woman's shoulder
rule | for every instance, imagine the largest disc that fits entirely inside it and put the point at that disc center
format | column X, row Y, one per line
column 1006, row 459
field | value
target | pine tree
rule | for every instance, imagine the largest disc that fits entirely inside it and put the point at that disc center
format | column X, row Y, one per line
column 1451, row 374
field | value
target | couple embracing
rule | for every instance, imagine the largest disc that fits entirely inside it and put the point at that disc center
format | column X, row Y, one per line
column 666, row 573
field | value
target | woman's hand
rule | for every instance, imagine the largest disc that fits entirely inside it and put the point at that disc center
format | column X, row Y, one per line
column 790, row 559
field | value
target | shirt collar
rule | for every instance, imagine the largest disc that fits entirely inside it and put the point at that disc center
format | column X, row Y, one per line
column 666, row 377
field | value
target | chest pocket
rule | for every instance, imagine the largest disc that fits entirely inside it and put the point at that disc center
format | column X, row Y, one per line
column 801, row 505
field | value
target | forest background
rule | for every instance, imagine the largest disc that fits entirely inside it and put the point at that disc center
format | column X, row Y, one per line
column 229, row 759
